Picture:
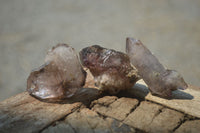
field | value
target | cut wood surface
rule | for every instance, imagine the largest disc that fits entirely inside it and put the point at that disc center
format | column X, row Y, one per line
column 141, row 112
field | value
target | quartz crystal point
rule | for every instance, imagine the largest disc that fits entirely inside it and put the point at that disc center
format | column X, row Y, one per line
column 111, row 69
column 59, row 78
column 160, row 81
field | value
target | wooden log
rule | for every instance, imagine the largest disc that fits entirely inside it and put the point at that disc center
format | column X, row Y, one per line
column 187, row 101
column 23, row 113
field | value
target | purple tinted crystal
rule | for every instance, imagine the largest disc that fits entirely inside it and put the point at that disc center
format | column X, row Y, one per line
column 160, row 81
column 111, row 69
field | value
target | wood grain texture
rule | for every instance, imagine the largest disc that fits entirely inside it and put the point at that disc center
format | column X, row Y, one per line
column 23, row 113
column 187, row 101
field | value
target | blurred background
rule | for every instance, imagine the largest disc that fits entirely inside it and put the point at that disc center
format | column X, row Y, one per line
column 28, row 28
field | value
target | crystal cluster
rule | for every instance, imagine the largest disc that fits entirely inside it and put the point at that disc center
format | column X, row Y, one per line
column 111, row 69
column 160, row 81
column 62, row 76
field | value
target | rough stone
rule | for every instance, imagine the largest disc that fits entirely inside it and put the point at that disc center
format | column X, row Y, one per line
column 189, row 127
column 59, row 78
column 111, row 69
column 143, row 115
column 118, row 109
column 161, row 81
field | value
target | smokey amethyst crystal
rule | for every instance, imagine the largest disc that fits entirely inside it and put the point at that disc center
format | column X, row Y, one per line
column 160, row 81
column 111, row 69
column 59, row 78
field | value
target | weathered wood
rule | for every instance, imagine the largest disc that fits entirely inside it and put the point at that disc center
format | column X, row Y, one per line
column 23, row 113
column 151, row 117
column 88, row 121
column 187, row 101
column 118, row 109
column 189, row 127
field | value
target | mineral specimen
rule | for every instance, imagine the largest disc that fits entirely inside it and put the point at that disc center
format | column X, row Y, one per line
column 59, row 78
column 111, row 69
column 160, row 81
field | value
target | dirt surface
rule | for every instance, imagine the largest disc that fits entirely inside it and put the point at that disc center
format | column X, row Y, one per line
column 28, row 28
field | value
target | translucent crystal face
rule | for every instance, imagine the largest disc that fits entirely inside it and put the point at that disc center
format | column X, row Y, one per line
column 160, row 81
column 59, row 77
column 111, row 69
